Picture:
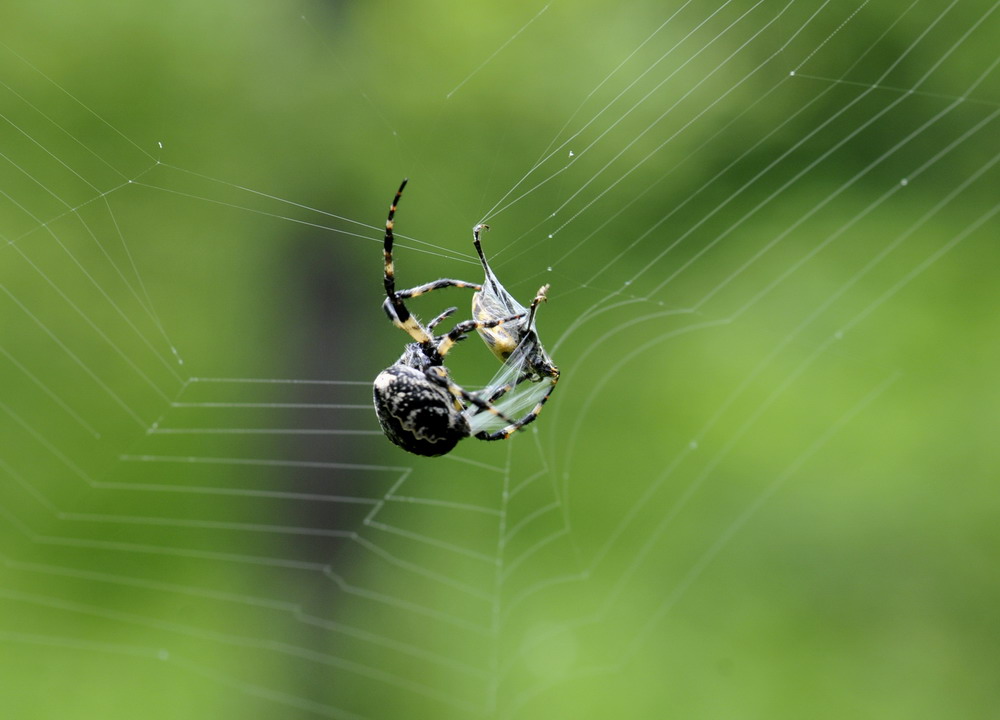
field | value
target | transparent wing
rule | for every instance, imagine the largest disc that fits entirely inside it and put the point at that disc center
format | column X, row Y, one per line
column 510, row 392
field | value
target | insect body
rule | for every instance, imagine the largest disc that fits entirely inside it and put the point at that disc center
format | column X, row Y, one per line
column 515, row 342
column 420, row 408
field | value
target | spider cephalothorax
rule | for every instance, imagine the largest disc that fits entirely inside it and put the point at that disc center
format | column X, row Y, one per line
column 420, row 408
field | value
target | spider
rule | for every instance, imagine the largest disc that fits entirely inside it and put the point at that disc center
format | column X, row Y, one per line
column 420, row 408
column 515, row 342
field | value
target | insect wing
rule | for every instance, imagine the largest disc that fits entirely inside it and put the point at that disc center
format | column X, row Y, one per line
column 510, row 391
column 491, row 303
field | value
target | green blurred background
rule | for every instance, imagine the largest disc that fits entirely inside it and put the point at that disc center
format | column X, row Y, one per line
column 765, row 486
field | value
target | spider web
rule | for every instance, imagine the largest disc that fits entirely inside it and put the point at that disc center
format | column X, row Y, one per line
column 770, row 230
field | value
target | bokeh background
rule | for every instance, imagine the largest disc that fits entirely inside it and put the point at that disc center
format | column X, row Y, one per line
column 765, row 486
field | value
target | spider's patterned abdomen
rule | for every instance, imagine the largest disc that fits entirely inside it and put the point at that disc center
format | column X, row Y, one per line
column 416, row 414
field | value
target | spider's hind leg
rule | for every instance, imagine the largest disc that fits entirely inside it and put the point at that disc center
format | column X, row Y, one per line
column 504, row 389
column 513, row 427
column 440, row 375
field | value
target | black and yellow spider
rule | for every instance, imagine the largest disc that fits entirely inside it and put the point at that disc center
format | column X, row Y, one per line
column 420, row 408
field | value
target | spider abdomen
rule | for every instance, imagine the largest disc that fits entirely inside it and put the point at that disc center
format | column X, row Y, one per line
column 418, row 414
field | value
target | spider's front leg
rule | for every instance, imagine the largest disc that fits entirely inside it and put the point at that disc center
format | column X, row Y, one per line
column 436, row 285
column 540, row 297
column 392, row 303
column 437, row 321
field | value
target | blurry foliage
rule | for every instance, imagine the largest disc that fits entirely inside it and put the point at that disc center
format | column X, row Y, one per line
column 863, row 585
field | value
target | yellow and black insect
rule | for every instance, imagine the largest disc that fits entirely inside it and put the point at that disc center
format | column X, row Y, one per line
column 516, row 342
column 419, row 407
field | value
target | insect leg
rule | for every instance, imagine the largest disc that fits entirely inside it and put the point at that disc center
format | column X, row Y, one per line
column 504, row 389
column 540, row 297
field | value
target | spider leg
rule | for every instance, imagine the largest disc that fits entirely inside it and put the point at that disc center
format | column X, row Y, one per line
column 504, row 389
column 441, row 376
column 400, row 316
column 389, row 305
column 449, row 340
column 436, row 321
column 513, row 427
column 436, row 285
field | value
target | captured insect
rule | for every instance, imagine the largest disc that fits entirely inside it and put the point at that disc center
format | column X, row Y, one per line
column 420, row 408
column 515, row 343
